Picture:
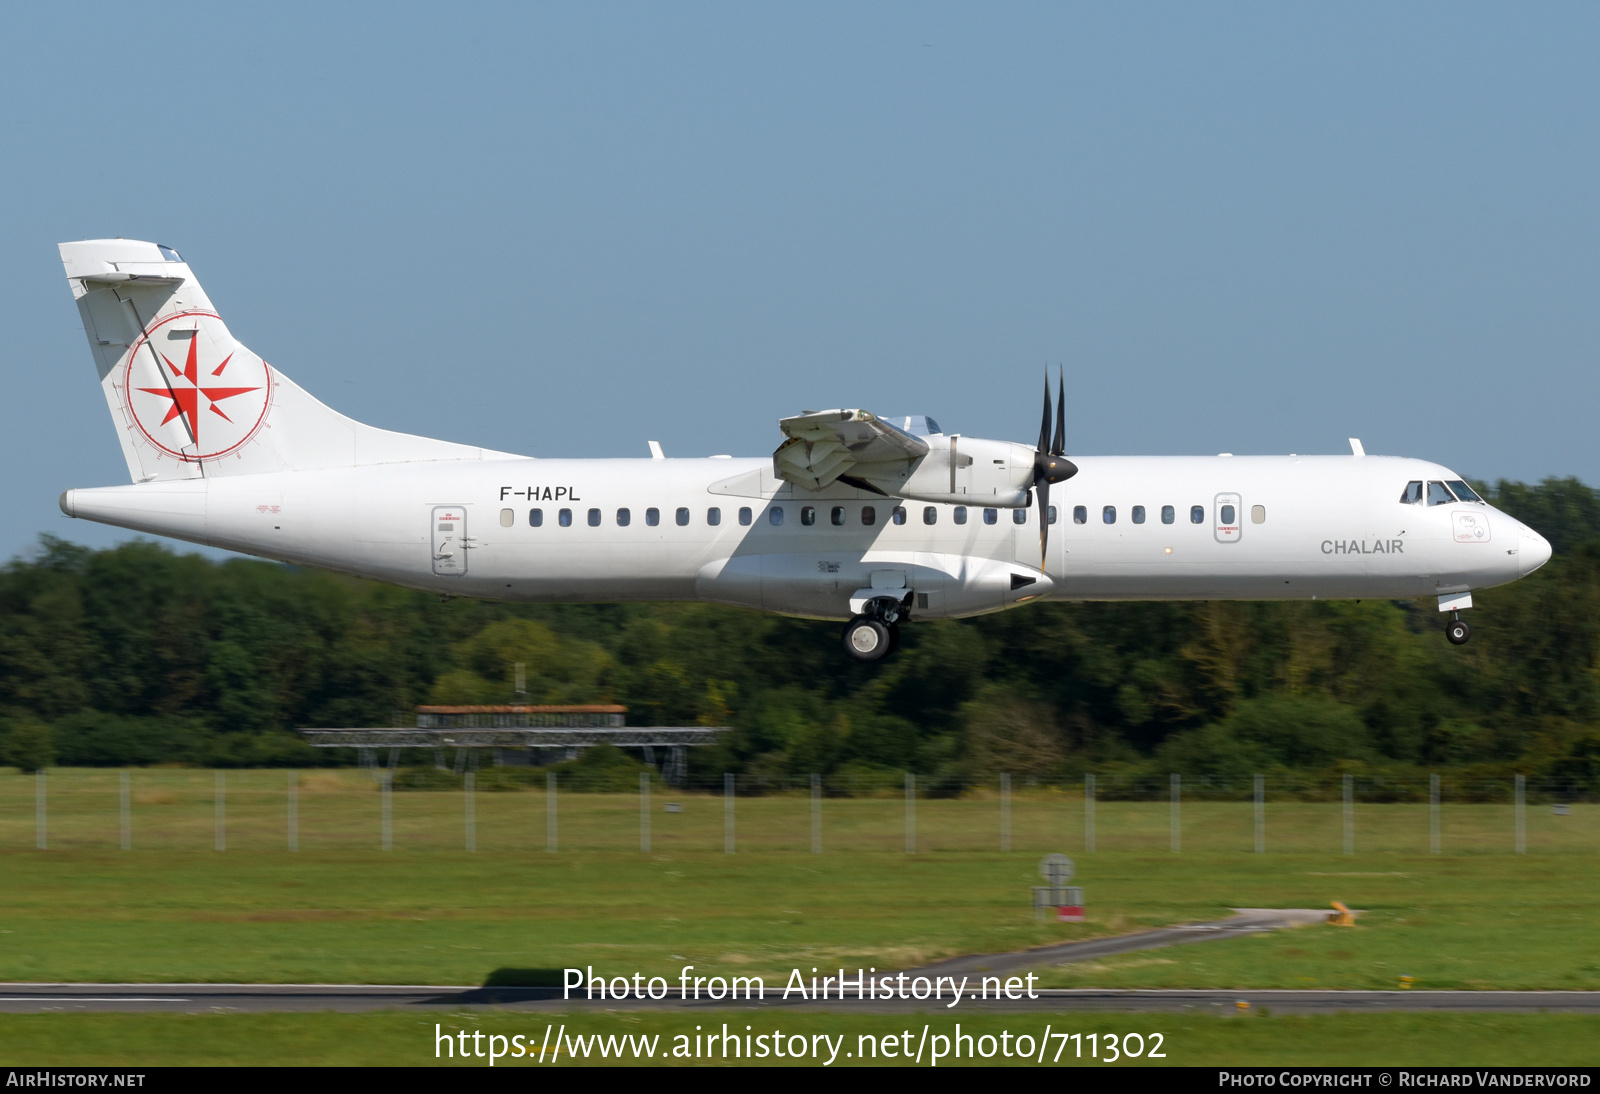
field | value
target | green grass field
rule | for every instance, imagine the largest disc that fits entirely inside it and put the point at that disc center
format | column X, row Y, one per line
column 390, row 1039
column 342, row 910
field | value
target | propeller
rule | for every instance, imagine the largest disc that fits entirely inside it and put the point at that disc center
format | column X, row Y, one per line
column 1050, row 464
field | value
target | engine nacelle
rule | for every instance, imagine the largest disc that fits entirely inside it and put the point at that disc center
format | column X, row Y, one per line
column 961, row 471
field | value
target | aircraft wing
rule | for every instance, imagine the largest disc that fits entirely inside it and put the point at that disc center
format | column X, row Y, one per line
column 827, row 446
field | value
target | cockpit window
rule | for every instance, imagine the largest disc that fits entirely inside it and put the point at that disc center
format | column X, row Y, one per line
column 1439, row 494
column 1463, row 491
column 168, row 253
column 1412, row 494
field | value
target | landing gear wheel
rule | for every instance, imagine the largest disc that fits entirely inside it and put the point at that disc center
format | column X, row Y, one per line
column 866, row 639
column 894, row 637
column 1457, row 631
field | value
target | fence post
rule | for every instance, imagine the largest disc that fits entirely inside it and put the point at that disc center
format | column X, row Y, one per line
column 220, row 818
column 816, row 814
column 127, row 810
column 1433, row 815
column 1261, row 814
column 1005, row 813
column 469, row 786
column 386, row 787
column 1522, row 815
column 1088, row 813
column 40, row 839
column 550, row 842
column 294, row 810
column 1177, row 812
column 727, row 812
column 644, row 812
column 911, row 813
column 1349, row 814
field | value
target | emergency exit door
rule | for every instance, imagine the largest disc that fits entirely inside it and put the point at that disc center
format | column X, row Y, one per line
column 1228, row 511
column 450, row 540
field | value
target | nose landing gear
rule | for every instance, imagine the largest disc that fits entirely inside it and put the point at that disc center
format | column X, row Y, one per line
column 1457, row 631
column 875, row 634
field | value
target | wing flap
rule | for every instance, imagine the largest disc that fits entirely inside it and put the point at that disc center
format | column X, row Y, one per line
column 827, row 445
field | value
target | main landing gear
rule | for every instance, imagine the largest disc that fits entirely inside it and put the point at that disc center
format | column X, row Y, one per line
column 1457, row 631
column 875, row 634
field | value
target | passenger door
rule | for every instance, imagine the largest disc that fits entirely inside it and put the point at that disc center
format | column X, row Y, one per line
column 450, row 540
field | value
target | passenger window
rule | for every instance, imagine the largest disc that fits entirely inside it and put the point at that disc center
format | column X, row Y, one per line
column 991, row 516
column 1197, row 514
column 1019, row 516
column 713, row 516
column 1168, row 514
column 1138, row 514
column 1050, row 514
column 869, row 515
column 1463, row 491
column 594, row 518
column 1227, row 515
column 508, row 517
column 624, row 518
column 565, row 517
column 930, row 514
column 745, row 516
column 1080, row 515
column 899, row 514
column 682, row 517
column 652, row 517
column 1109, row 514
column 1439, row 494
column 961, row 514
column 535, row 518
column 1412, row 494
column 1258, row 514
column 808, row 516
column 775, row 516
column 837, row 516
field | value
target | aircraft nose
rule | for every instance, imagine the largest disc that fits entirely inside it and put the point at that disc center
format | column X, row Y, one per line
column 1533, row 552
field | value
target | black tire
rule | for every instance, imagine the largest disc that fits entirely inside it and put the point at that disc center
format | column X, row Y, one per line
column 866, row 639
column 894, row 637
column 1457, row 631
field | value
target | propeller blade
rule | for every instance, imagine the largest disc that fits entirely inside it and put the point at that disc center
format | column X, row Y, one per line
column 1058, row 447
column 1050, row 464
column 1044, row 519
column 1044, row 425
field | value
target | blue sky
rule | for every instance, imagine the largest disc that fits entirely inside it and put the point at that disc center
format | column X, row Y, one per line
column 565, row 230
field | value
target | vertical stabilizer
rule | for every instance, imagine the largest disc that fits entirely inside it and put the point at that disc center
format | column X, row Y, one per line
column 187, row 398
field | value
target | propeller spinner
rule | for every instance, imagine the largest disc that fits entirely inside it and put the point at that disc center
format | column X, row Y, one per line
column 1050, row 464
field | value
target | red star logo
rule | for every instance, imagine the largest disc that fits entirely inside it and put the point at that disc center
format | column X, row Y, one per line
column 186, row 400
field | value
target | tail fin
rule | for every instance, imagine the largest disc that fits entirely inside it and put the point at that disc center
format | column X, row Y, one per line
column 191, row 401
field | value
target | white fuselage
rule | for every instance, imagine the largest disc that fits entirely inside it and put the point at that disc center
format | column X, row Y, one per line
column 1306, row 527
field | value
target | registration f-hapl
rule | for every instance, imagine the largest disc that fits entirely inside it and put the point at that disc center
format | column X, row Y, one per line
column 858, row 517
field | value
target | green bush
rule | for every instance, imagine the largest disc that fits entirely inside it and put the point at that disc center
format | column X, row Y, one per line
column 1311, row 731
column 28, row 745
column 601, row 769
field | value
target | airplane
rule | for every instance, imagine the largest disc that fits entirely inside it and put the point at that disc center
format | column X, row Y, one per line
column 856, row 517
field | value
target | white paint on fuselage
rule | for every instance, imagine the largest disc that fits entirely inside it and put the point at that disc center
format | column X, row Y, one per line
column 1334, row 527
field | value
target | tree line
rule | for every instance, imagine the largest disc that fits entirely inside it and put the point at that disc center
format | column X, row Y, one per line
column 137, row 655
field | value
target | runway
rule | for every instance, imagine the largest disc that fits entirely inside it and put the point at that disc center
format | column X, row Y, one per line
column 351, row 998
column 1244, row 921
